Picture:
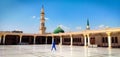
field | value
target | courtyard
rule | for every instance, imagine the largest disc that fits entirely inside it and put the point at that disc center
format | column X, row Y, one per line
column 62, row 51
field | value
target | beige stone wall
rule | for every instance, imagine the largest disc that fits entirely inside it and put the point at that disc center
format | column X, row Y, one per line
column 67, row 36
column 118, row 37
column 98, row 39
column 78, row 36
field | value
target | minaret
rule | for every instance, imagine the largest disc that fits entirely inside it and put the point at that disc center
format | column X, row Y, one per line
column 42, row 22
column 87, row 27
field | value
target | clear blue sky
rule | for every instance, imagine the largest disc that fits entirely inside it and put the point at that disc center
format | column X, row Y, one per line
column 70, row 14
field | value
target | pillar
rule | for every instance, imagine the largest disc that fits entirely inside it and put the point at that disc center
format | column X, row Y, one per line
column 20, row 39
column 85, row 42
column 60, row 40
column 109, row 39
column 88, row 39
column 46, row 40
column 0, row 39
column 34, row 41
column 71, row 42
column 3, row 39
column 52, row 39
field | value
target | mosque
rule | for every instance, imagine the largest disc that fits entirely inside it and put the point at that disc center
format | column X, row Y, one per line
column 109, row 37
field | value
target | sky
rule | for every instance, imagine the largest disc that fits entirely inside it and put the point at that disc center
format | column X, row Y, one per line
column 71, row 15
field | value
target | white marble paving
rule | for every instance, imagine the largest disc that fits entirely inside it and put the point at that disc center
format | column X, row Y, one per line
column 62, row 51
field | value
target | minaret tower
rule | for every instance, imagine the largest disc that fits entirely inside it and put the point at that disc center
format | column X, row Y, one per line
column 87, row 27
column 42, row 22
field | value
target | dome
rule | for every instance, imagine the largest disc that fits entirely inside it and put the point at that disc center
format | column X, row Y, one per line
column 58, row 30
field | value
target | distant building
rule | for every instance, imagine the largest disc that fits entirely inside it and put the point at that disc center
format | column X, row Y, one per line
column 15, row 31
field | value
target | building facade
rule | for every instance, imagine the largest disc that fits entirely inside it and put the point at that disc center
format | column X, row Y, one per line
column 109, row 37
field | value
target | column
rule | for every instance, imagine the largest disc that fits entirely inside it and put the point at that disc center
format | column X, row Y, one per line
column 109, row 39
column 34, row 40
column 0, row 39
column 4, row 39
column 71, row 38
column 46, row 40
column 52, row 39
column 60, row 40
column 20, row 39
column 85, row 42
column 88, row 39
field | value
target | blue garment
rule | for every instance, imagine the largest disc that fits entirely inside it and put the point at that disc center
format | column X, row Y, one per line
column 53, row 46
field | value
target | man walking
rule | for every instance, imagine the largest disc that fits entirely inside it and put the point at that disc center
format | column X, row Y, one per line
column 53, row 46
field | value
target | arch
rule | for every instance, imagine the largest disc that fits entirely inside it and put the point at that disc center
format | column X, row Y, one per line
column 27, row 39
column 57, row 39
column 40, row 39
column 49, row 40
column 78, row 40
column 12, row 39
column 66, row 40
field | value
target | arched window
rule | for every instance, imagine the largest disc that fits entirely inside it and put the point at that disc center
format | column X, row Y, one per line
column 106, row 39
column 116, row 40
column 112, row 39
column 103, row 41
column 79, row 39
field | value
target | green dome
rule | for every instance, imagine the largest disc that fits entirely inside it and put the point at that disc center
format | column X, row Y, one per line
column 58, row 30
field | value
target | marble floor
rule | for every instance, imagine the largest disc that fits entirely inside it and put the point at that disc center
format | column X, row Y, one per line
column 62, row 51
